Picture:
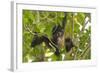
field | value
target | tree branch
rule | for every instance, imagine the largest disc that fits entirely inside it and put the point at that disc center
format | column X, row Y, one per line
column 84, row 24
column 82, row 54
column 27, row 29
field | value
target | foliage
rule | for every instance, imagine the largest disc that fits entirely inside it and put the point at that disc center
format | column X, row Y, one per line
column 77, row 27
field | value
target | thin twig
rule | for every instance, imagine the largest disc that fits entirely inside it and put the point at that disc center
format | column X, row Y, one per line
column 27, row 28
column 86, row 53
column 84, row 24
column 82, row 54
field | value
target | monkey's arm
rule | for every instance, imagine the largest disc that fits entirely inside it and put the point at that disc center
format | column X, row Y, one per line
column 64, row 20
column 51, row 44
column 38, row 40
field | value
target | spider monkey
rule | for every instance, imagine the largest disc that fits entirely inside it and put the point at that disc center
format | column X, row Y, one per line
column 57, row 37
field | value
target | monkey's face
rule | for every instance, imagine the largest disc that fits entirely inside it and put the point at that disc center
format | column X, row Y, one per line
column 60, row 40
